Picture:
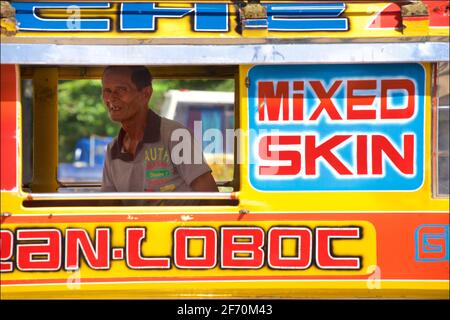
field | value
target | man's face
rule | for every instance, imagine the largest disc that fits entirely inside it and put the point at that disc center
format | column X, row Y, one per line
column 121, row 96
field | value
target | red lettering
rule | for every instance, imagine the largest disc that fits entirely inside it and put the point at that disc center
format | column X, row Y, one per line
column 273, row 100
column 291, row 155
column 241, row 248
column 134, row 258
column 6, row 250
column 359, row 100
column 313, row 152
column 274, row 97
column 361, row 154
column 237, row 254
column 404, row 163
column 302, row 260
column 182, row 259
column 326, row 104
column 324, row 249
column 397, row 113
column 78, row 240
column 39, row 256
column 297, row 98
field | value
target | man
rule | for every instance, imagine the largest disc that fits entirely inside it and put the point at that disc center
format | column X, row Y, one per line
column 140, row 159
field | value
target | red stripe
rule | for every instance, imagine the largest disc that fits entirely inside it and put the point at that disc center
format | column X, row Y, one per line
column 439, row 13
column 218, row 217
column 389, row 18
column 187, row 279
column 176, row 279
column 8, row 116
column 418, row 18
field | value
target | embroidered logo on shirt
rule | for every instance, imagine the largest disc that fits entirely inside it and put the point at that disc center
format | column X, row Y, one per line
column 157, row 154
column 157, row 174
column 158, row 170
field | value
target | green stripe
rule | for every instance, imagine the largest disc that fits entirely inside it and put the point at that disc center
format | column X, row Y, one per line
column 157, row 174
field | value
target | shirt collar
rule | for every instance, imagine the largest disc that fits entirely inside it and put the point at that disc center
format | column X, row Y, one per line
column 151, row 135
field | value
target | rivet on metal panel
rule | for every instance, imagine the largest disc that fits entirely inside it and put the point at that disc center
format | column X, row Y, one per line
column 244, row 211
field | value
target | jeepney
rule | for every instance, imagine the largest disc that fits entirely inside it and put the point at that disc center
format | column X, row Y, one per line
column 340, row 171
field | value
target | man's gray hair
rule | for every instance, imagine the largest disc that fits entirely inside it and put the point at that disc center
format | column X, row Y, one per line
column 140, row 75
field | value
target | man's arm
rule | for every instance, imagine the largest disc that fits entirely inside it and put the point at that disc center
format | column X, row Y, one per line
column 204, row 183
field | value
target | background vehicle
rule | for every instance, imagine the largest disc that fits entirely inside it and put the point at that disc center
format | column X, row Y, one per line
column 212, row 110
column 89, row 157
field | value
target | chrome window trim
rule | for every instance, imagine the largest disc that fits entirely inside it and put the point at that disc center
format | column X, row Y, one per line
column 132, row 196
column 203, row 54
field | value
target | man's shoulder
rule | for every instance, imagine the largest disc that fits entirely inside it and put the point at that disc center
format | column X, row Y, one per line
column 171, row 128
column 170, row 125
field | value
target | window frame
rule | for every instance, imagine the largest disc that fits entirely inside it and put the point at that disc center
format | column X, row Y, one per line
column 158, row 72
column 437, row 154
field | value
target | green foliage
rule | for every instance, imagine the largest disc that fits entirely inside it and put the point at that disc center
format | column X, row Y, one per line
column 82, row 112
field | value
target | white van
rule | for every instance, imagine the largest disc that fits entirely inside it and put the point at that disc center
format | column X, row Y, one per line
column 208, row 114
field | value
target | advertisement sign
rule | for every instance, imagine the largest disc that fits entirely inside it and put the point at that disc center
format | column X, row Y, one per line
column 214, row 250
column 336, row 127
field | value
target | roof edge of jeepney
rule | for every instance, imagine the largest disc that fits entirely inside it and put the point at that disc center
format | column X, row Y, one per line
column 229, row 54
column 216, row 41
column 223, row 32
column 150, row 20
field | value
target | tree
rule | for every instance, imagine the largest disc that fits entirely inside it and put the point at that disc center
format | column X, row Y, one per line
column 81, row 114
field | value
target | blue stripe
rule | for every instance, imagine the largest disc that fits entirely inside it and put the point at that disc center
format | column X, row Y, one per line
column 142, row 16
column 211, row 17
column 256, row 23
column 29, row 21
column 303, row 10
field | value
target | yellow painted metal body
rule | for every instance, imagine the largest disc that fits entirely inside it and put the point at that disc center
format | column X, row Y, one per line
column 361, row 16
column 419, row 200
column 45, row 125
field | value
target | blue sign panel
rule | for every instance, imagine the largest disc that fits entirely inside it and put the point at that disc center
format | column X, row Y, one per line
column 336, row 127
